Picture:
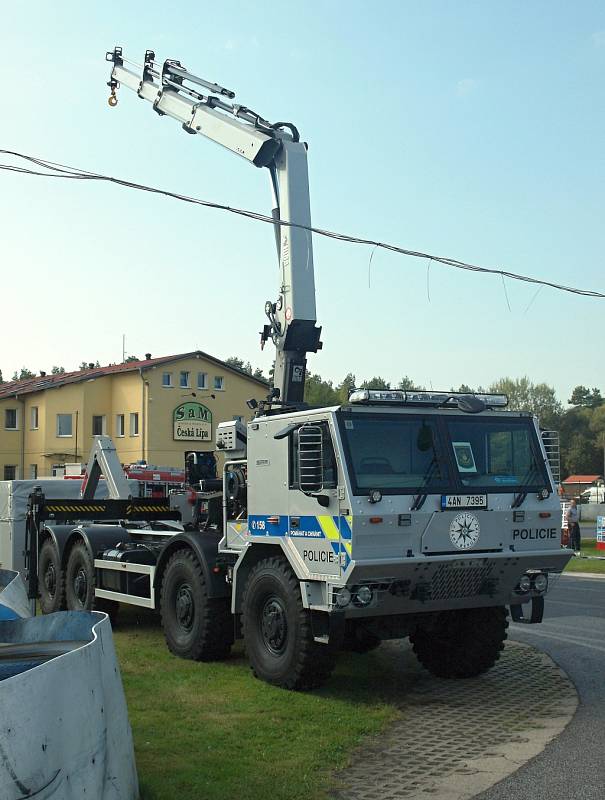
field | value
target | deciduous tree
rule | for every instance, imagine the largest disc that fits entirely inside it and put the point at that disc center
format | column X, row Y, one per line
column 538, row 398
column 23, row 374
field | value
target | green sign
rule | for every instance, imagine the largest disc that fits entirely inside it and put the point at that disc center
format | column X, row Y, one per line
column 192, row 422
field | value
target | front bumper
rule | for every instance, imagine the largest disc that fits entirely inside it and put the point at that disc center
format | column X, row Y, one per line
column 418, row 585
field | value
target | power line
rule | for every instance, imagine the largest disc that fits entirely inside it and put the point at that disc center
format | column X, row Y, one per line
column 53, row 169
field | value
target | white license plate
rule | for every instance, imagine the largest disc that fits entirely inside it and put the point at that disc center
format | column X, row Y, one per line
column 454, row 501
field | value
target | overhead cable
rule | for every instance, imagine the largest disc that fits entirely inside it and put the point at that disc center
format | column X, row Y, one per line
column 52, row 169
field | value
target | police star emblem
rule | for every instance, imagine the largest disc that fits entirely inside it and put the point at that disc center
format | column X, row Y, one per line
column 464, row 530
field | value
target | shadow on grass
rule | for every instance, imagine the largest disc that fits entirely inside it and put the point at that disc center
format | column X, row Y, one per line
column 385, row 675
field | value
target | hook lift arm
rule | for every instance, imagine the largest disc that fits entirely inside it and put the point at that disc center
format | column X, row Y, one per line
column 175, row 92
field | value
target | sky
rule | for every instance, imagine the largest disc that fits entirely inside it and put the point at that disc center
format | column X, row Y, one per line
column 472, row 130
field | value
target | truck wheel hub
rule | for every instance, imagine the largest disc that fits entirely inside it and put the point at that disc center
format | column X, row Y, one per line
column 81, row 586
column 50, row 580
column 274, row 625
column 184, row 606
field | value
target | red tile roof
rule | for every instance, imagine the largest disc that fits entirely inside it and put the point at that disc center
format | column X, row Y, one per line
column 41, row 382
column 582, row 479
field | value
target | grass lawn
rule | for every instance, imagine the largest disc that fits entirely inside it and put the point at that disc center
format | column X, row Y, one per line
column 589, row 548
column 210, row 731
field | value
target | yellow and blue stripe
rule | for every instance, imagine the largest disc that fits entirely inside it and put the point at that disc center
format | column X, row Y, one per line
column 336, row 529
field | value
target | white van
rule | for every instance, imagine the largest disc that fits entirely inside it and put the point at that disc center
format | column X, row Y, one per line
column 594, row 494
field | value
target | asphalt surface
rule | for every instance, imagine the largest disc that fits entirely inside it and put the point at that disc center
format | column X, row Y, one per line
column 573, row 635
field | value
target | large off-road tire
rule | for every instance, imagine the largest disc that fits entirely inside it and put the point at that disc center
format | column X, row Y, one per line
column 51, row 580
column 195, row 626
column 79, row 579
column 277, row 630
column 461, row 644
column 80, row 584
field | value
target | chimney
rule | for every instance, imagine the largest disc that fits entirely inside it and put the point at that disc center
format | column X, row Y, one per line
column 91, row 365
column 147, row 356
column 42, row 373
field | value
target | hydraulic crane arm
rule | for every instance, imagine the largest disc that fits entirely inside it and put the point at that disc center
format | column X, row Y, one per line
column 175, row 92
column 104, row 460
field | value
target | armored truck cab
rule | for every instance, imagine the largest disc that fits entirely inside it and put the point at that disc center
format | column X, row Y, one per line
column 398, row 509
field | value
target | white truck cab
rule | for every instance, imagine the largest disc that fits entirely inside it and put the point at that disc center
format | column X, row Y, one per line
column 397, row 506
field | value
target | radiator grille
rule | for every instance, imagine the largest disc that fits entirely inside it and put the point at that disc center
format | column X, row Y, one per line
column 456, row 581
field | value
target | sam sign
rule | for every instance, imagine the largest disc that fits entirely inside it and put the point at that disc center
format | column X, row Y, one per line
column 192, row 422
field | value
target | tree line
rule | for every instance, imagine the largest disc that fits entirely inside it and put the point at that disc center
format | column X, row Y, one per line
column 581, row 426
column 25, row 373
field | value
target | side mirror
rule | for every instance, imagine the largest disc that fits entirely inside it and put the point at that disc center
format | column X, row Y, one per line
column 323, row 500
column 310, row 459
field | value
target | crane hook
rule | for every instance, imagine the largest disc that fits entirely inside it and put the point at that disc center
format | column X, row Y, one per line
column 113, row 100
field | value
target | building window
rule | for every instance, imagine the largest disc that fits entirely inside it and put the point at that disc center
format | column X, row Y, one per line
column 33, row 419
column 64, row 425
column 184, row 379
column 10, row 419
column 202, row 380
column 33, row 471
column 219, row 382
column 99, row 425
column 10, row 472
column 134, row 424
column 166, row 378
column 119, row 424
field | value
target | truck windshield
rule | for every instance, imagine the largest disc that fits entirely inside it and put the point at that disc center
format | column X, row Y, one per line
column 495, row 454
column 398, row 454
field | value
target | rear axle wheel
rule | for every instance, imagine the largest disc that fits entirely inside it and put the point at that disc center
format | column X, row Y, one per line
column 51, row 580
column 195, row 626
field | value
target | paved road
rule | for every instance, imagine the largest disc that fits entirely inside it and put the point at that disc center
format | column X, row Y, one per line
column 573, row 634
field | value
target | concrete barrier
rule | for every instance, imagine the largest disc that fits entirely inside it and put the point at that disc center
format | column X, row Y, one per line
column 14, row 603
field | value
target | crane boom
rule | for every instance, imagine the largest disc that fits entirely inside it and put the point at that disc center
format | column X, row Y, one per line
column 175, row 92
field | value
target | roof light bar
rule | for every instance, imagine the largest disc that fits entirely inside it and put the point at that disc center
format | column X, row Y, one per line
column 401, row 397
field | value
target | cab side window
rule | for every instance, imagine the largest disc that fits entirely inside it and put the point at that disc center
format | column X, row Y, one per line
column 329, row 471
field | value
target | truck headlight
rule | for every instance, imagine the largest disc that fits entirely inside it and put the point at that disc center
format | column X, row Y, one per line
column 524, row 585
column 540, row 582
column 343, row 597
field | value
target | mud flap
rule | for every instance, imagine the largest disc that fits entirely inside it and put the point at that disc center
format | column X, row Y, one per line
column 537, row 612
column 328, row 628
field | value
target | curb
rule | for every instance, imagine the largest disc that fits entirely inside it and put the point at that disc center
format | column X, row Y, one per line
column 592, row 575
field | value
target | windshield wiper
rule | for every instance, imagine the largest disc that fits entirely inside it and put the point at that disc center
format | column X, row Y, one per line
column 520, row 496
column 420, row 498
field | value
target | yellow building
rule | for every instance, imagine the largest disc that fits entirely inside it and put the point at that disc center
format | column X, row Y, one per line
column 154, row 410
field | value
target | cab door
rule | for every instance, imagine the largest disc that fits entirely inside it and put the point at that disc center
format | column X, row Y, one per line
column 313, row 506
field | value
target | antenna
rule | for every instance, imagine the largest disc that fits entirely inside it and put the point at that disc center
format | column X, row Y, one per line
column 123, row 348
